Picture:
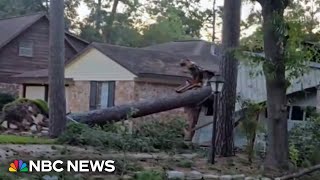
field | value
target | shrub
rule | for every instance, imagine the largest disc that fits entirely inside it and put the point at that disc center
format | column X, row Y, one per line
column 152, row 136
column 164, row 135
column 306, row 142
column 42, row 105
column 149, row 175
column 5, row 99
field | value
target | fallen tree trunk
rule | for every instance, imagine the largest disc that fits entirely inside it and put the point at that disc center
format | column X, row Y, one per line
column 300, row 173
column 142, row 108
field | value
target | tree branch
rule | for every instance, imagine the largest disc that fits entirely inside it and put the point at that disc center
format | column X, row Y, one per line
column 301, row 173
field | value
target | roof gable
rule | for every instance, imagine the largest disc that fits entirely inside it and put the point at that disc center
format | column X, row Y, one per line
column 92, row 65
column 10, row 28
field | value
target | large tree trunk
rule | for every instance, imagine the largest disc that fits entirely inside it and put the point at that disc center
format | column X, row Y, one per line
column 229, row 67
column 214, row 12
column 57, row 101
column 274, row 69
column 98, row 16
column 143, row 108
column 110, row 21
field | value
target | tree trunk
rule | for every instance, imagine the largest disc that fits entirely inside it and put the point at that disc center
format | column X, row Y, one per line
column 110, row 21
column 274, row 69
column 57, row 101
column 214, row 21
column 98, row 16
column 143, row 108
column 229, row 67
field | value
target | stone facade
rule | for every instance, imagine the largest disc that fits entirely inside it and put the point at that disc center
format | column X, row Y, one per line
column 145, row 91
column 124, row 92
column 79, row 96
column 14, row 89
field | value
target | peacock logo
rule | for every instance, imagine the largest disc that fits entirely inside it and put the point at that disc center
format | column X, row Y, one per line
column 18, row 166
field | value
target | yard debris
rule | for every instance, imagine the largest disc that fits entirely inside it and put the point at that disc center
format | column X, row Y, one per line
column 23, row 117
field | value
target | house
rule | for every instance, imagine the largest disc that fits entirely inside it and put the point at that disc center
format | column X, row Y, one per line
column 104, row 75
column 24, row 46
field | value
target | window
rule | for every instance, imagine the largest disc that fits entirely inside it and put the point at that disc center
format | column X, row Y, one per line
column 101, row 94
column 297, row 113
column 26, row 48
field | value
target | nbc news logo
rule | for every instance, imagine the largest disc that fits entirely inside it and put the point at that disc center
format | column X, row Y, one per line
column 57, row 166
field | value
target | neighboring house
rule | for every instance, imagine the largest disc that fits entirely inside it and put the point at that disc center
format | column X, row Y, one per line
column 24, row 46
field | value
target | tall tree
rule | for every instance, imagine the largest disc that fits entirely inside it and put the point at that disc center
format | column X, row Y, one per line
column 275, row 36
column 214, row 12
column 229, row 68
column 111, row 20
column 57, row 101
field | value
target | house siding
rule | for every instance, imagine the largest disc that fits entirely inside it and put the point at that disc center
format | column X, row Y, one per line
column 10, row 61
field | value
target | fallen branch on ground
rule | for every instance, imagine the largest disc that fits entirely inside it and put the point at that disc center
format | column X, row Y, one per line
column 300, row 173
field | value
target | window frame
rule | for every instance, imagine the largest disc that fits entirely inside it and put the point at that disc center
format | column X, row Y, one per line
column 28, row 47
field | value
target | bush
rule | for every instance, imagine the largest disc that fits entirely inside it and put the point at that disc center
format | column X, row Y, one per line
column 5, row 99
column 304, row 143
column 149, row 175
column 152, row 136
column 42, row 105
column 164, row 135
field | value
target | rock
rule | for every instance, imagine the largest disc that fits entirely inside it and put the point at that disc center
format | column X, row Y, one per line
column 39, row 119
column 44, row 133
column 226, row 177
column 45, row 129
column 12, row 126
column 46, row 177
column 265, row 178
column 30, row 108
column 238, row 177
column 194, row 175
column 249, row 178
column 4, row 124
column 189, row 156
column 33, row 128
column 175, row 175
column 25, row 123
column 211, row 177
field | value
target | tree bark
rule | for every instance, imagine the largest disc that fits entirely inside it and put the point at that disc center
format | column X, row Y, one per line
column 110, row 20
column 143, row 108
column 98, row 16
column 229, row 67
column 57, row 101
column 274, row 69
column 214, row 21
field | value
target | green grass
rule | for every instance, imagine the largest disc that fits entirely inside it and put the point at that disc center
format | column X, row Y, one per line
column 14, row 139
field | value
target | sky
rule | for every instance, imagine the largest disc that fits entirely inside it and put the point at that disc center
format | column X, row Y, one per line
column 246, row 8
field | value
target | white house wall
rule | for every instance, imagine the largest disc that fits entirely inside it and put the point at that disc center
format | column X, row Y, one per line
column 95, row 66
column 253, row 87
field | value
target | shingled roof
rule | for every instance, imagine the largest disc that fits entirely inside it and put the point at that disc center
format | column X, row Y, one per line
column 198, row 51
column 12, row 27
column 141, row 61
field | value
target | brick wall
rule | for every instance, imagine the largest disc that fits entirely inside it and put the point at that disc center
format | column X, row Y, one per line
column 124, row 92
column 14, row 89
column 79, row 96
column 145, row 91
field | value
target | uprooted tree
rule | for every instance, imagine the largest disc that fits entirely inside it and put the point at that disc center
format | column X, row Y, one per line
column 142, row 108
